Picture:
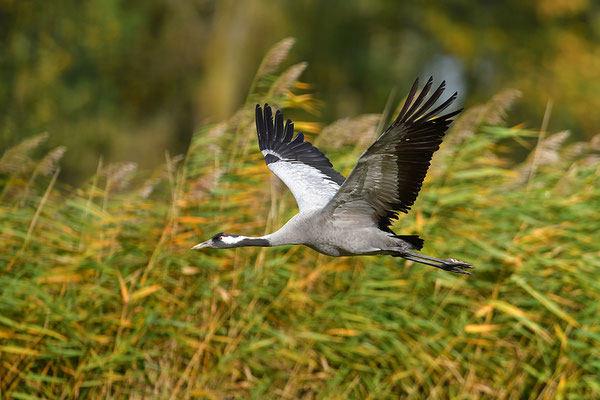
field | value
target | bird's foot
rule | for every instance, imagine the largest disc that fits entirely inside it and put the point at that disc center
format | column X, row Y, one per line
column 449, row 264
column 456, row 266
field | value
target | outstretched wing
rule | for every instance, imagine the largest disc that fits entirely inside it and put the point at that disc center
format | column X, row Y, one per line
column 301, row 166
column 389, row 174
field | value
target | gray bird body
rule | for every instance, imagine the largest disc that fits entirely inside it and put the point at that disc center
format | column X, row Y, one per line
column 321, row 231
column 353, row 216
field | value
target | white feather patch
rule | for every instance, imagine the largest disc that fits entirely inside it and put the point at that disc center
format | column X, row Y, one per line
column 310, row 187
column 232, row 239
column 267, row 151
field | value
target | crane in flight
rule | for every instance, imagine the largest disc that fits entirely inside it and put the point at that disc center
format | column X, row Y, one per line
column 352, row 216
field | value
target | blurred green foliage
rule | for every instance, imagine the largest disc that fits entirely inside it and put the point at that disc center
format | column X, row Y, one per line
column 128, row 80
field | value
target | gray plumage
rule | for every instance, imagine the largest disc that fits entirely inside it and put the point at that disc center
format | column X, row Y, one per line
column 352, row 216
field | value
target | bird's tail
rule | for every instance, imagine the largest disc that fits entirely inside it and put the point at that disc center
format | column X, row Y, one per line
column 414, row 240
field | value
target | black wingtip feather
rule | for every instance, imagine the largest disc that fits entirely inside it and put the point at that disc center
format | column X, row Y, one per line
column 279, row 126
column 442, row 107
column 434, row 97
column 260, row 126
column 412, row 110
column 298, row 139
column 421, row 132
column 283, row 145
column 289, row 131
column 269, row 120
column 409, row 98
column 410, row 113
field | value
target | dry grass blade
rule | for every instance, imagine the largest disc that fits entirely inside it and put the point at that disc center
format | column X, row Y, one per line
column 496, row 109
column 549, row 304
column 118, row 175
column 547, row 152
column 50, row 162
column 541, row 137
column 287, row 79
column 34, row 220
column 491, row 113
column 355, row 131
column 465, row 126
column 47, row 166
column 148, row 187
column 17, row 158
column 595, row 143
column 203, row 186
column 275, row 56
column 574, row 151
column 549, row 148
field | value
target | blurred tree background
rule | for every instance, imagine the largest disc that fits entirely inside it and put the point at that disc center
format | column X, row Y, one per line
column 127, row 80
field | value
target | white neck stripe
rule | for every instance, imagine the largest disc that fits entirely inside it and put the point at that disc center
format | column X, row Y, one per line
column 232, row 239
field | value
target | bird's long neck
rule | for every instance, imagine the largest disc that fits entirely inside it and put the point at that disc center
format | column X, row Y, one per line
column 287, row 234
column 245, row 241
column 277, row 238
column 292, row 232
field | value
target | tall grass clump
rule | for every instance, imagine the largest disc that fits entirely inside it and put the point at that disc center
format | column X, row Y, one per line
column 100, row 296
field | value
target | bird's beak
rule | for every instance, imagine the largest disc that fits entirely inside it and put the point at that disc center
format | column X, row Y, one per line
column 202, row 245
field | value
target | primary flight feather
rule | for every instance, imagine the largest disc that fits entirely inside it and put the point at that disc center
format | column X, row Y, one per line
column 352, row 216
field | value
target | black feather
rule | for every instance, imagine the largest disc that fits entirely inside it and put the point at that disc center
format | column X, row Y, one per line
column 414, row 240
column 279, row 140
column 420, row 132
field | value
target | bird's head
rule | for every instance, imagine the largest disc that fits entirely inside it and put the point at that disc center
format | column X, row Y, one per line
column 221, row 240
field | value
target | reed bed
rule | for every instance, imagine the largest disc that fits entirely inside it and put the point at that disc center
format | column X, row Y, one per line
column 100, row 296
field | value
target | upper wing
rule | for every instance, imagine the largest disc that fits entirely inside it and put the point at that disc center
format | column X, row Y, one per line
column 389, row 174
column 301, row 166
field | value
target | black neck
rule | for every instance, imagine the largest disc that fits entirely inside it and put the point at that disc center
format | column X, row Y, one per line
column 260, row 242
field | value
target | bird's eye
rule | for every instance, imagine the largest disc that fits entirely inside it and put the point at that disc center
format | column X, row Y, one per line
column 220, row 238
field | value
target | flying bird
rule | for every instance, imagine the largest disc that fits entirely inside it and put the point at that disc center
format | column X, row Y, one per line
column 353, row 216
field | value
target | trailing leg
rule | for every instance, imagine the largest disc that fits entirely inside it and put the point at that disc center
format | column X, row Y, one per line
column 449, row 264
